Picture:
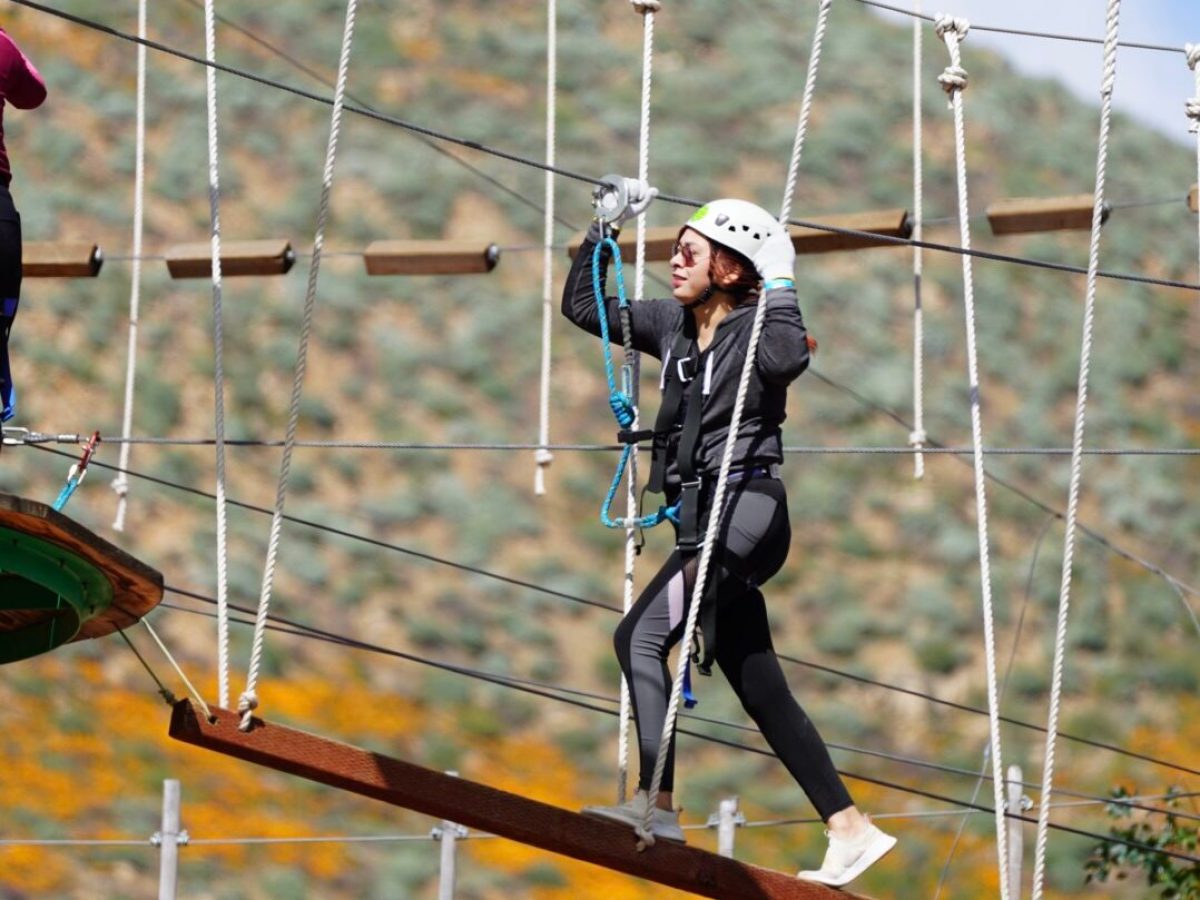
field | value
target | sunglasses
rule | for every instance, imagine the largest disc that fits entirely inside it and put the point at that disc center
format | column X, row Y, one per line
column 687, row 251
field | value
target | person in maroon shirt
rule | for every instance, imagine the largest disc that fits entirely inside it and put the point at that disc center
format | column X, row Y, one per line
column 21, row 86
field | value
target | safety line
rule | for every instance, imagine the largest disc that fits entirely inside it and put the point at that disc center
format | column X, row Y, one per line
column 557, row 691
column 794, row 449
column 574, row 598
column 590, row 179
column 1133, row 45
column 505, row 681
column 432, row 145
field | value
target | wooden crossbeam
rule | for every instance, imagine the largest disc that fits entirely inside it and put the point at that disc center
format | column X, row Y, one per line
column 1023, row 215
column 61, row 259
column 269, row 257
column 883, row 223
column 487, row 809
column 430, row 258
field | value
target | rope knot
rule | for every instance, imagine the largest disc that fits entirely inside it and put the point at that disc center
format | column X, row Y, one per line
column 543, row 456
column 946, row 24
column 917, row 438
column 646, row 6
column 247, row 703
column 1193, row 112
column 953, row 78
column 1193, row 55
column 622, row 407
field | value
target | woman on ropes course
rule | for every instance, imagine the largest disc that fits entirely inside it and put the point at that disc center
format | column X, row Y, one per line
column 22, row 86
column 729, row 256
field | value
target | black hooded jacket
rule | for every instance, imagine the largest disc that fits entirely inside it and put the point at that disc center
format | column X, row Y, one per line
column 782, row 355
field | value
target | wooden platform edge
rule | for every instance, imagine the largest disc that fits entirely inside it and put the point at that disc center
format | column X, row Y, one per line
column 137, row 587
column 487, row 809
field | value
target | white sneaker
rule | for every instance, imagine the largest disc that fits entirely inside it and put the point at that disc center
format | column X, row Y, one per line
column 665, row 823
column 846, row 860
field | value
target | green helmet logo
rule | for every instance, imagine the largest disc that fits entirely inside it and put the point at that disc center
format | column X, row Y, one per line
column 699, row 214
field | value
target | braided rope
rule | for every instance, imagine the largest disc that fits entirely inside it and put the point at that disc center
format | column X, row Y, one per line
column 120, row 484
column 248, row 702
column 544, row 457
column 633, row 367
column 918, row 437
column 214, row 204
column 954, row 80
column 1060, row 635
column 714, row 519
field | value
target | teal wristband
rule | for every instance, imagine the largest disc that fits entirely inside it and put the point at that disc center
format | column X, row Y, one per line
column 779, row 283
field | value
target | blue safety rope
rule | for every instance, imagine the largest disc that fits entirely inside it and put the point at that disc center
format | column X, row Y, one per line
column 619, row 401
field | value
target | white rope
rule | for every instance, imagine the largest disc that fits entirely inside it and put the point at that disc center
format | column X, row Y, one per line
column 647, row 11
column 214, row 203
column 1060, row 636
column 918, row 437
column 543, row 457
column 120, row 484
column 248, row 701
column 178, row 671
column 954, row 81
column 714, row 516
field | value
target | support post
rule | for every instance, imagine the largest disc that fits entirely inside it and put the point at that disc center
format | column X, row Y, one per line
column 1016, row 807
column 726, row 819
column 448, row 833
column 727, row 815
column 168, row 840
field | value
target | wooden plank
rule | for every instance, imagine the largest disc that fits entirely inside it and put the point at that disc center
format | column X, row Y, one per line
column 268, row 257
column 1024, row 215
column 659, row 242
column 887, row 223
column 1194, row 198
column 60, row 259
column 136, row 587
column 430, row 257
column 488, row 809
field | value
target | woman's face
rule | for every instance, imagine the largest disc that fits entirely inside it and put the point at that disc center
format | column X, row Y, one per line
column 689, row 266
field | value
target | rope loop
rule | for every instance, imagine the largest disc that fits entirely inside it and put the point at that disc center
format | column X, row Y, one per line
column 945, row 24
column 247, row 703
column 646, row 6
column 1193, row 55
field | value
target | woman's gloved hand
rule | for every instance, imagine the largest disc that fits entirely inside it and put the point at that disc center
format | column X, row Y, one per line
column 776, row 258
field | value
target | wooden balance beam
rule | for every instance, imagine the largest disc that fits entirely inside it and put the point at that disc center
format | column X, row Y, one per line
column 488, row 809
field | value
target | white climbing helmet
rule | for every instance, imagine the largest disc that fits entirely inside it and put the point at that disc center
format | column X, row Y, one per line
column 736, row 224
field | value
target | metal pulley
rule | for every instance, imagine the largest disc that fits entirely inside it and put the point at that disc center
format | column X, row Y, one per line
column 609, row 198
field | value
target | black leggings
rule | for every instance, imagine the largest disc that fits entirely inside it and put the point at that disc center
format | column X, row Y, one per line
column 753, row 543
column 10, row 291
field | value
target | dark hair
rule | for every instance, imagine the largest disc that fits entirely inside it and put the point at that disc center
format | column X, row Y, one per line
column 736, row 274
